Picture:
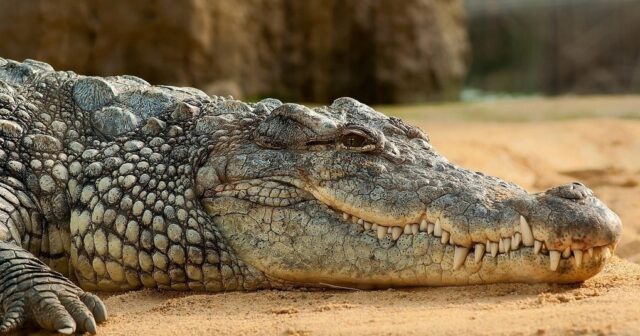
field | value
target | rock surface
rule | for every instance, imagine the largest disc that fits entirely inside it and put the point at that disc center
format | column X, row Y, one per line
column 376, row 51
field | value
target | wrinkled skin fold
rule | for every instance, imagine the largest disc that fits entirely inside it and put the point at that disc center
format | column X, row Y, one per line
column 113, row 184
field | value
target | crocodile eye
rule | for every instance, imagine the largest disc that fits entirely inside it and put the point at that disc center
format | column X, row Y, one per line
column 353, row 140
column 358, row 138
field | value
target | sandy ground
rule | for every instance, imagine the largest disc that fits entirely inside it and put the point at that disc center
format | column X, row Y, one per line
column 606, row 304
column 602, row 153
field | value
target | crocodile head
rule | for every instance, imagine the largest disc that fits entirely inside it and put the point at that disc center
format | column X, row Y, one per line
column 345, row 195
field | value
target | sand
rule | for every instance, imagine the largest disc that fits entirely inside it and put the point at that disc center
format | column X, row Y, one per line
column 608, row 303
column 603, row 153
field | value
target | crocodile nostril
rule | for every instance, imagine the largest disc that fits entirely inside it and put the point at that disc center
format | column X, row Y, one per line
column 575, row 191
column 578, row 184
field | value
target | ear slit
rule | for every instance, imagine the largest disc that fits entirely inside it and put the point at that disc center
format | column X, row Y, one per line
column 295, row 126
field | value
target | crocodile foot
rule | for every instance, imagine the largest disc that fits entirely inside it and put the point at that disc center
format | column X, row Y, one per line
column 31, row 292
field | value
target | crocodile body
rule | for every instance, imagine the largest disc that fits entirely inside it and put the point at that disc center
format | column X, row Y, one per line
column 114, row 184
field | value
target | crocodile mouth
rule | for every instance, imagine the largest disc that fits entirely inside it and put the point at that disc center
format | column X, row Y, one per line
column 284, row 191
column 522, row 239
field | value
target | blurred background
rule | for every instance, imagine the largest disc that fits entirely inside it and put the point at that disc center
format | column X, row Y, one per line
column 554, row 47
column 379, row 51
column 539, row 92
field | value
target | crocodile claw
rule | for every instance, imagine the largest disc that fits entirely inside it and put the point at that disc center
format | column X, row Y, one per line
column 54, row 307
column 33, row 292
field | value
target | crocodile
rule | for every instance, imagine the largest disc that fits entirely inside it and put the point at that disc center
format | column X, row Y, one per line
column 113, row 184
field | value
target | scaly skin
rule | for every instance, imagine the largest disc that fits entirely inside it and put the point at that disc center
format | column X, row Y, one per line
column 113, row 184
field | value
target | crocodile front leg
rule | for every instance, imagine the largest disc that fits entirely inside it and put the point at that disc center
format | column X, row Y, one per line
column 30, row 291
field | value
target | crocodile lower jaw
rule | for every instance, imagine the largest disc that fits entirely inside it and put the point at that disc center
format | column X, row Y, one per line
column 479, row 250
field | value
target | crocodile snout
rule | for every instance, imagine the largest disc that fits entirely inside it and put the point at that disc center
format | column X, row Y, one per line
column 569, row 218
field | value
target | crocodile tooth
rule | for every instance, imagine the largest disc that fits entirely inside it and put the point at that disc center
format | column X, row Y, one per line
column 585, row 256
column 494, row 249
column 577, row 254
column 346, row 216
column 554, row 260
column 567, row 252
column 501, row 245
column 515, row 241
column 597, row 252
column 459, row 256
column 407, row 229
column 606, row 252
column 374, row 226
column 507, row 245
column 488, row 245
column 450, row 239
column 367, row 225
column 479, row 252
column 430, row 228
column 389, row 229
column 382, row 231
column 414, row 228
column 360, row 221
column 525, row 230
column 437, row 229
column 423, row 225
column 396, row 231
column 591, row 252
column 445, row 237
column 537, row 245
